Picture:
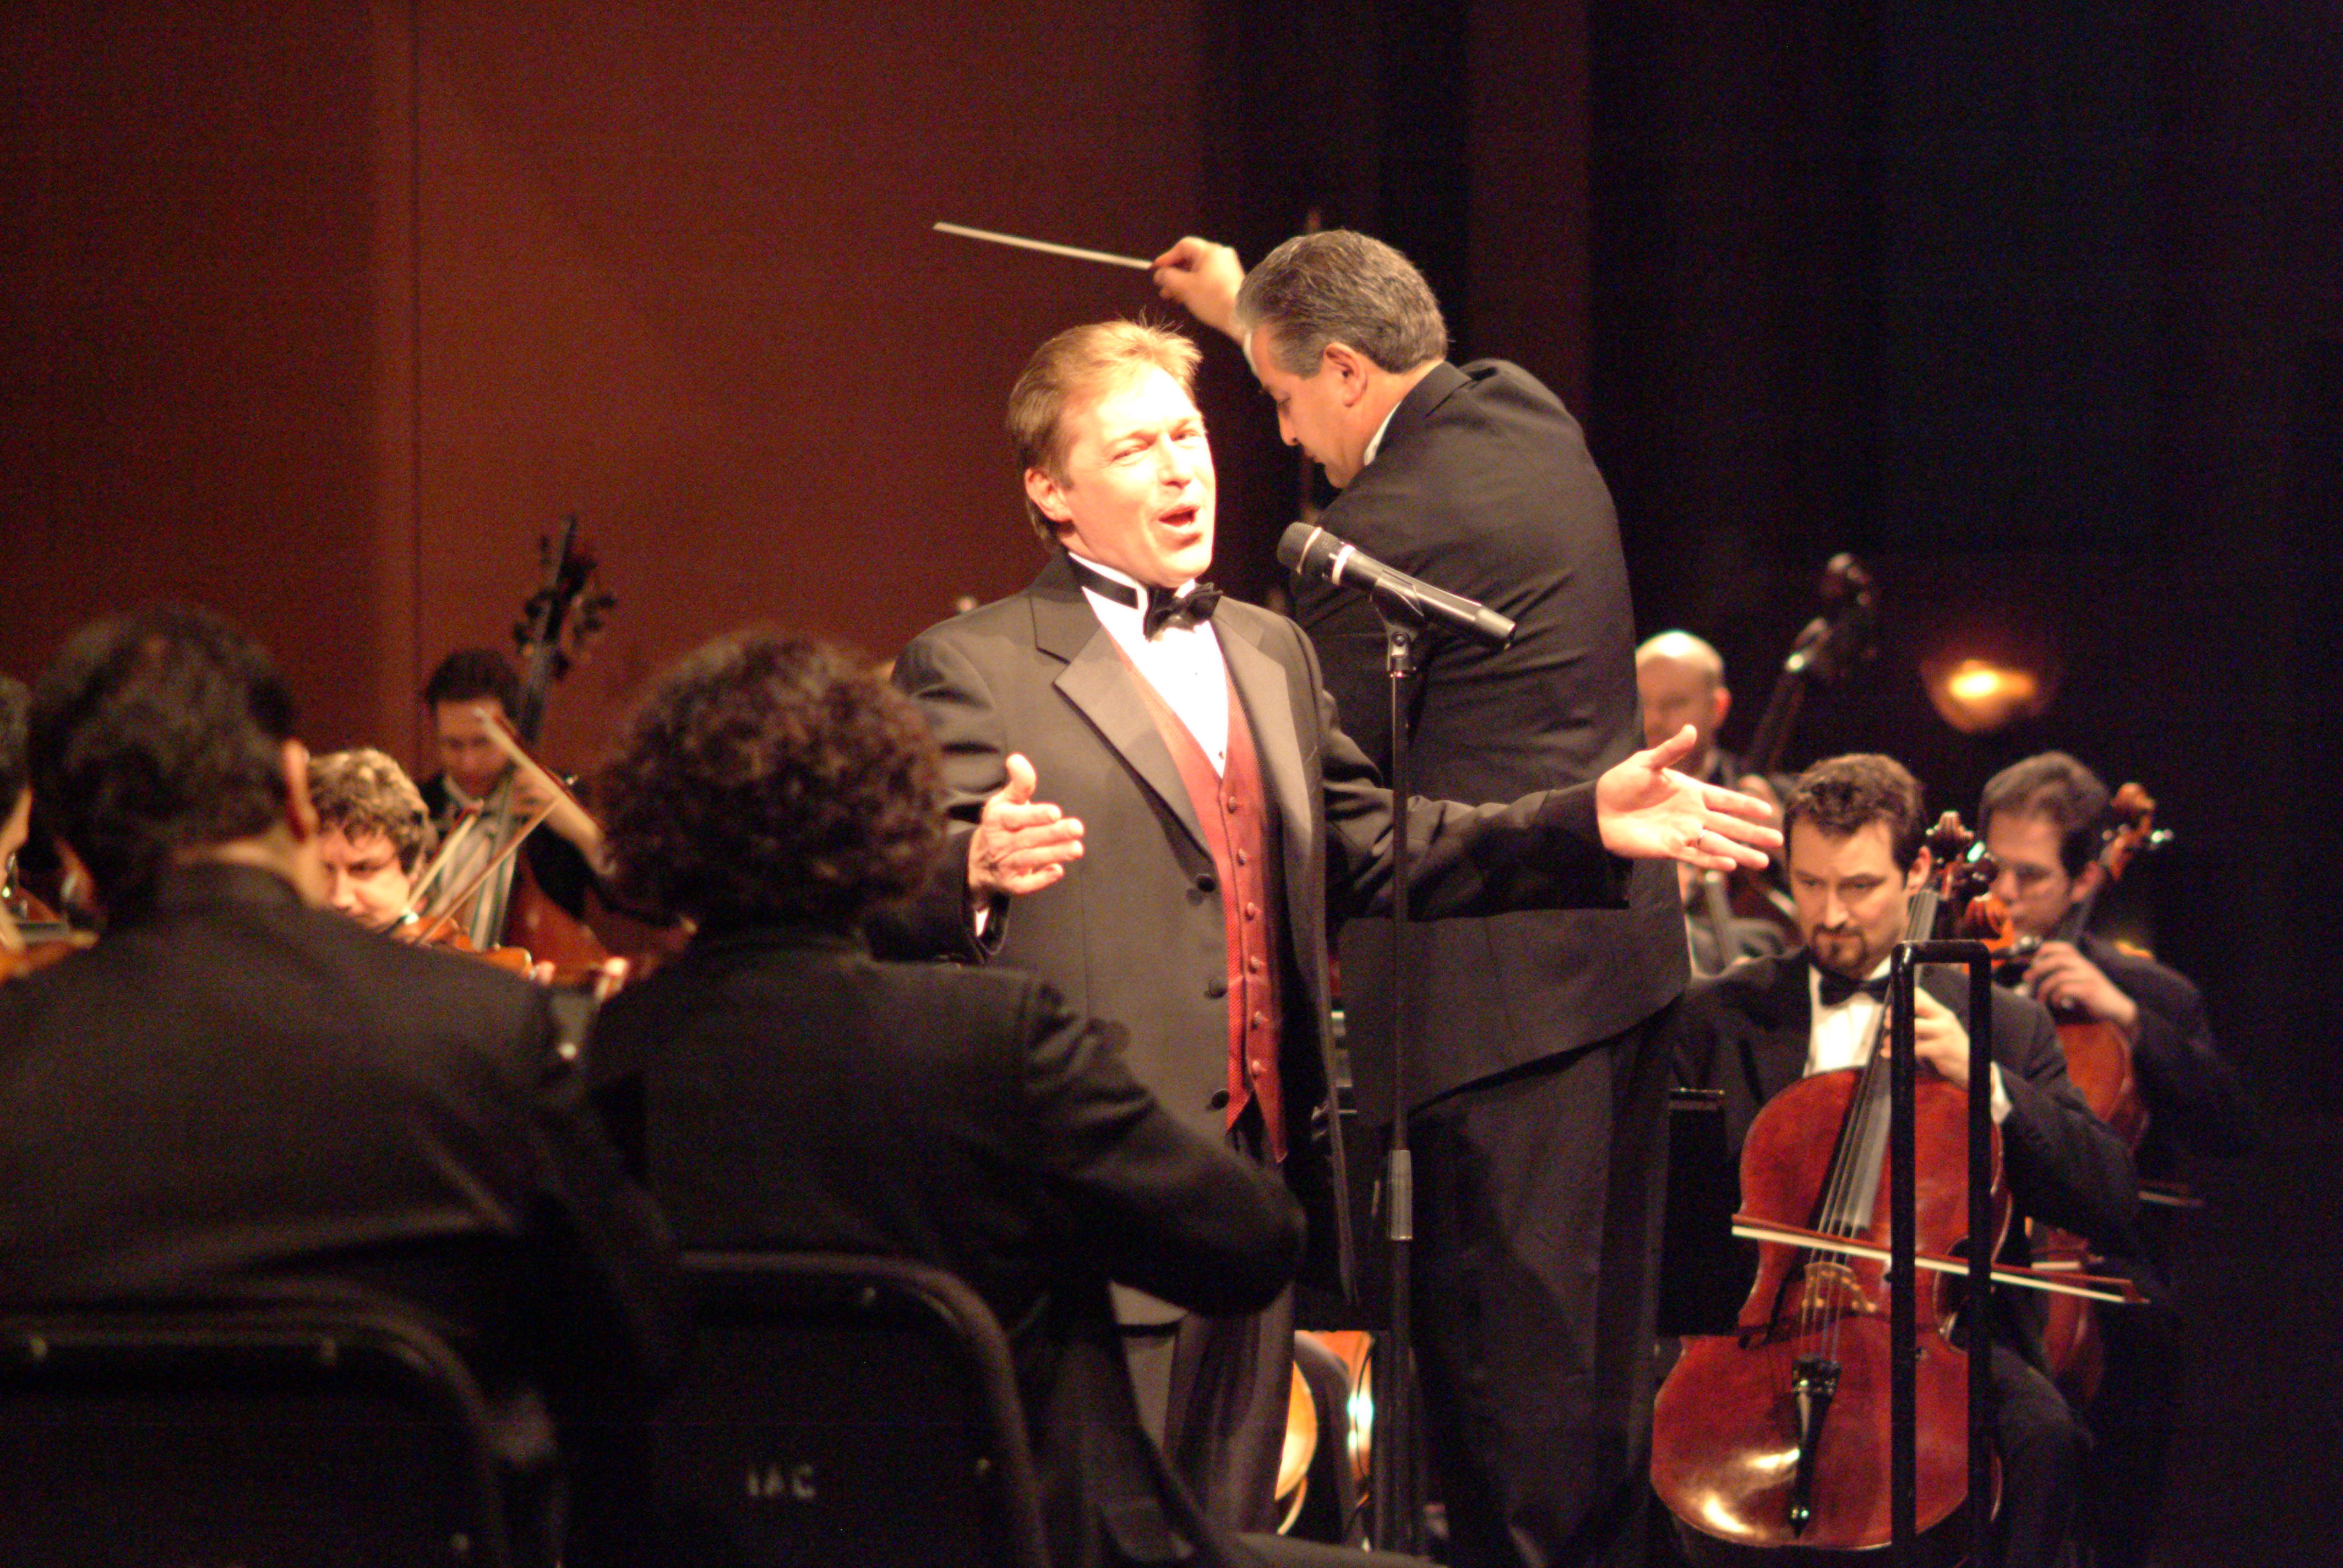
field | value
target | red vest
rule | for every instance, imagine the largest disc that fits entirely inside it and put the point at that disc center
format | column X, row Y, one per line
column 1233, row 808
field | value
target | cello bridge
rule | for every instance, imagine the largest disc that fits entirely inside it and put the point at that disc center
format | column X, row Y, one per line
column 1830, row 1289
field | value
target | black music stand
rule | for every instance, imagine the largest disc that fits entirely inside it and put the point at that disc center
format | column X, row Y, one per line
column 1902, row 1271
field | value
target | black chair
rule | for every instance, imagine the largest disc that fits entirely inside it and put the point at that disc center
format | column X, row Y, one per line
column 272, row 1438
column 840, row 1409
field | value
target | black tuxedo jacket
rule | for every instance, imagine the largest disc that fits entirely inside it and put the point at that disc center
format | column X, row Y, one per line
column 234, row 1094
column 781, row 1088
column 2196, row 1103
column 1482, row 486
column 1746, row 1032
column 1134, row 932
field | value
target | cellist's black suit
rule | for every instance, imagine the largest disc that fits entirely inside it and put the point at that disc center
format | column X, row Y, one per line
column 1747, row 1034
column 1537, row 1061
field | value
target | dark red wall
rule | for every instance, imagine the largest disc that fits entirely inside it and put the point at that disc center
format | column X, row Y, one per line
column 191, row 384
column 325, row 319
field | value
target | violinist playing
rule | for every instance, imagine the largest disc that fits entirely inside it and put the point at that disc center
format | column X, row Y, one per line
column 2043, row 821
column 1856, row 853
column 373, row 833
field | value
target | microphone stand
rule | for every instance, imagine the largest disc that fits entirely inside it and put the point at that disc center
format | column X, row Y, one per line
column 1398, row 1489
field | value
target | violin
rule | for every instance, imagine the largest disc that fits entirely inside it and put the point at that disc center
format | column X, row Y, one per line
column 447, row 937
column 32, row 935
column 39, row 947
column 2099, row 1064
column 1776, row 1436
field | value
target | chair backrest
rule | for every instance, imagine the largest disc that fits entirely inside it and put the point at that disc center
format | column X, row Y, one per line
column 273, row 1438
column 840, row 1409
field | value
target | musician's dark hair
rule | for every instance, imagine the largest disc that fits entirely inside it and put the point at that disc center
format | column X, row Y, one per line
column 1841, row 796
column 2052, row 785
column 154, row 734
column 470, row 674
column 772, row 778
column 1339, row 286
column 1078, row 363
column 13, row 700
column 363, row 790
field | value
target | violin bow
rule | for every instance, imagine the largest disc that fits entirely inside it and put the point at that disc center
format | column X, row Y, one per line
column 510, row 847
column 439, row 862
column 576, row 822
column 2091, row 1287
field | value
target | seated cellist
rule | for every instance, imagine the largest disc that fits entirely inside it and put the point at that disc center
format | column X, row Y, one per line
column 1856, row 853
column 2044, row 819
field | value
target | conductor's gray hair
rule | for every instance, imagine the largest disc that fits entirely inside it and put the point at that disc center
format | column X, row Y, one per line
column 1340, row 287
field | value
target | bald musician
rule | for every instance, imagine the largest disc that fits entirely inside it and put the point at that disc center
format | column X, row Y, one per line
column 1680, row 680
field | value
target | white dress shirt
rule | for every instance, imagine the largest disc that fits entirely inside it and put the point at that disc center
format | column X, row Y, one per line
column 1841, row 1035
column 1182, row 663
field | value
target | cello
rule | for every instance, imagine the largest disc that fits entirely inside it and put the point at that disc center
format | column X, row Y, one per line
column 2099, row 1063
column 1776, row 1436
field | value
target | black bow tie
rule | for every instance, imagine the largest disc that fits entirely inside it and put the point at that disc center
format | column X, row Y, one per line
column 1165, row 607
column 1837, row 989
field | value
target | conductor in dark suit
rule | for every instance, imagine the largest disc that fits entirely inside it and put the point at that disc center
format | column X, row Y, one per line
column 239, row 1093
column 779, row 1088
column 1201, row 821
column 1856, row 826
column 1535, row 1078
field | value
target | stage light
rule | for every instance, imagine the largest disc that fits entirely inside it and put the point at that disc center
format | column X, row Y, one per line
column 1977, row 695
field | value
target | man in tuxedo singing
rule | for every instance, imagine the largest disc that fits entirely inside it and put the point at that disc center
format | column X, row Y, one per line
column 1156, row 774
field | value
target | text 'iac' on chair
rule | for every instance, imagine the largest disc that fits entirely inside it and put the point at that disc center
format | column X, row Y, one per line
column 841, row 1409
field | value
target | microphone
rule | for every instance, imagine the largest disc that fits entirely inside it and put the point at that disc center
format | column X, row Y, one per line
column 1312, row 551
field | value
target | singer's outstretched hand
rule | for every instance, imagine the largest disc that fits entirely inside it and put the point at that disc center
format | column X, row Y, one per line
column 1649, row 811
column 1021, row 845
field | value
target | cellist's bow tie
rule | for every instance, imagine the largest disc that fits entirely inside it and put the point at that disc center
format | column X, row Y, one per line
column 1837, row 989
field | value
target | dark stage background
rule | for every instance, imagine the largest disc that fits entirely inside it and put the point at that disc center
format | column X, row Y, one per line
column 323, row 316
